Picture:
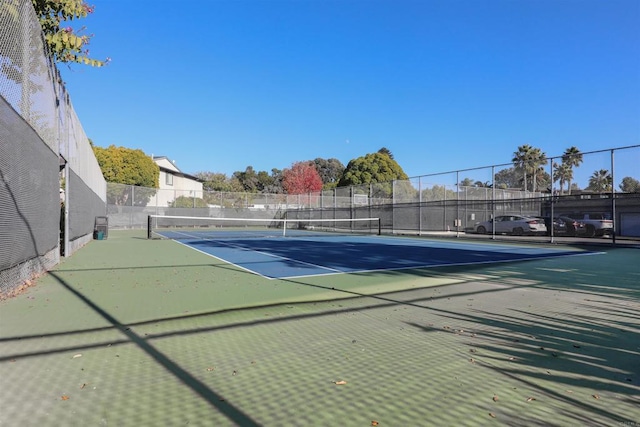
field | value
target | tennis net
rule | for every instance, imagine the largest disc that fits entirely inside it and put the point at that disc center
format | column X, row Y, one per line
column 189, row 227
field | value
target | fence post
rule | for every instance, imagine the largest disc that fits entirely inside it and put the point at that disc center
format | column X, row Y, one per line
column 613, row 201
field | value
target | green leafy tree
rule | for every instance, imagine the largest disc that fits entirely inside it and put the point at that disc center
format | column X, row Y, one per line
column 385, row 150
column 600, row 181
column 188, row 202
column 217, row 181
column 377, row 168
column 128, row 166
column 467, row 182
column 371, row 168
column 253, row 181
column 274, row 184
column 572, row 158
column 65, row 44
column 437, row 193
column 507, row 178
column 330, row 171
column 630, row 185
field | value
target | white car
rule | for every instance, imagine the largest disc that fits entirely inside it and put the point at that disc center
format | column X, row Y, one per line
column 517, row 225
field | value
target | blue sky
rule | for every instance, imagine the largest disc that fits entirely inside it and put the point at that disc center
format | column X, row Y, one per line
column 444, row 84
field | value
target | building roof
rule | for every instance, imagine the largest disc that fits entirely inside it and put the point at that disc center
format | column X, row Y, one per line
column 169, row 166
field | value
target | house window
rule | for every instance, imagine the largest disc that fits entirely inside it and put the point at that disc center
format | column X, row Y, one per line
column 168, row 179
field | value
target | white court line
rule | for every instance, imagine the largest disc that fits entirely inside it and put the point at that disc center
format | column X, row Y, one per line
column 413, row 267
column 332, row 270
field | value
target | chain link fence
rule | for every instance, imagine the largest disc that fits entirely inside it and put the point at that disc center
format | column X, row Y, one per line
column 436, row 203
column 42, row 144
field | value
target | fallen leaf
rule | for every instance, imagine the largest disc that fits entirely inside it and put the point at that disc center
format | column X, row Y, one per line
column 211, row 368
column 595, row 396
column 473, row 350
column 492, row 415
column 495, row 398
column 374, row 423
column 340, row 382
column 65, row 397
column 529, row 399
column 472, row 360
column 75, row 356
column 83, row 386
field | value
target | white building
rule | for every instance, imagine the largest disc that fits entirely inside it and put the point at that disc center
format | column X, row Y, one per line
column 175, row 183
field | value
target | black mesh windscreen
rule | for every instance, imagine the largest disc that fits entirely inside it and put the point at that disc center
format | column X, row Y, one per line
column 29, row 191
column 84, row 207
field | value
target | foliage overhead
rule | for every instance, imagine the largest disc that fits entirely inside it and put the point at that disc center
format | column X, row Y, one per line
column 371, row 168
column 301, row 178
column 65, row 44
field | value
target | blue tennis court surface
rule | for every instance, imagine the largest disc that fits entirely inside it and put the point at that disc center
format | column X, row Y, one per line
column 281, row 257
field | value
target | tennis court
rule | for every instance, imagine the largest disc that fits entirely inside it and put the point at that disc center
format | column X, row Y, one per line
column 332, row 247
column 281, row 258
column 133, row 331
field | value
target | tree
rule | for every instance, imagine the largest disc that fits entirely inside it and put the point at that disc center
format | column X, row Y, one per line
column 248, row 179
column 572, row 158
column 564, row 173
column 217, row 181
column 301, row 178
column 528, row 161
column 467, row 182
column 128, row 166
column 371, row 168
column 188, row 202
column 65, row 45
column 506, row 178
column 630, row 185
column 330, row 171
column 259, row 182
column 385, row 150
column 600, row 181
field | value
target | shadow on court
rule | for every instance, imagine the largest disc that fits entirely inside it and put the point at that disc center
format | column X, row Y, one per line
column 553, row 339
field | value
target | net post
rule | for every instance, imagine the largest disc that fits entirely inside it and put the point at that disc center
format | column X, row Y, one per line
column 284, row 227
column 149, row 226
column 379, row 227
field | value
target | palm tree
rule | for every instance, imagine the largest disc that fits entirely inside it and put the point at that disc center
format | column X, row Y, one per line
column 563, row 173
column 528, row 159
column 600, row 181
column 572, row 157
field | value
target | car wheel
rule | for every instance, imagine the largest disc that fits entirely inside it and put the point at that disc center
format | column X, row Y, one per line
column 481, row 230
column 591, row 231
column 518, row 231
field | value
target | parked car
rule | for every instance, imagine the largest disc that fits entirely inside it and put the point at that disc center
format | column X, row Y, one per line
column 574, row 227
column 596, row 224
column 512, row 224
column 559, row 226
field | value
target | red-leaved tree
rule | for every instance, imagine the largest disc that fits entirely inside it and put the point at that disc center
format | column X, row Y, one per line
column 301, row 178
